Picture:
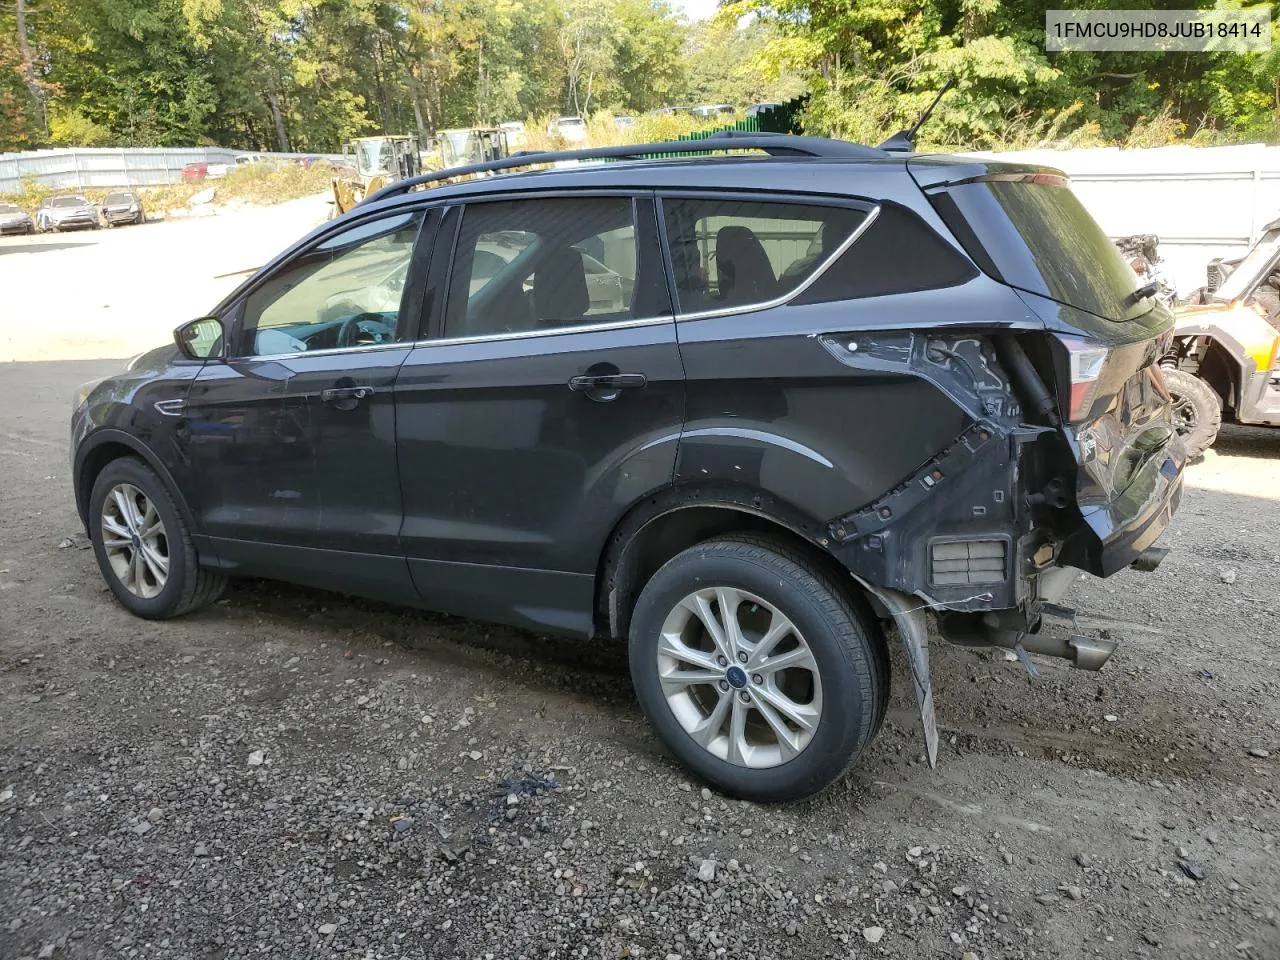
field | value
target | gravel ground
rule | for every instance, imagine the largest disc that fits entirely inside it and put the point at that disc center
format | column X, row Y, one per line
column 116, row 292
column 296, row 774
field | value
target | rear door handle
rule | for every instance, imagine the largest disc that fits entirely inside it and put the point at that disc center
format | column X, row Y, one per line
column 607, row 382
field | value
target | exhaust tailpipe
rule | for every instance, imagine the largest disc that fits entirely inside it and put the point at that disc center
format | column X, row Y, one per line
column 1084, row 653
column 1149, row 559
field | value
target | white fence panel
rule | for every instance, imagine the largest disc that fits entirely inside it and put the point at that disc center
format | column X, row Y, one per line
column 105, row 167
column 1203, row 202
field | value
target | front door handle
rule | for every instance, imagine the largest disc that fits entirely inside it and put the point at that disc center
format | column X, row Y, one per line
column 345, row 397
column 606, row 386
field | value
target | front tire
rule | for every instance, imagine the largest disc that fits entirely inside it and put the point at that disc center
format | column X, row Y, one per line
column 1197, row 411
column 756, row 668
column 142, row 546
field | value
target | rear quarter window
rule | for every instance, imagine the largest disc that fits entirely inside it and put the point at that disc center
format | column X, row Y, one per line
column 898, row 253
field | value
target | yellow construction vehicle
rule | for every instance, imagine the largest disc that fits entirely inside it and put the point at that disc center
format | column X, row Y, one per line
column 1225, row 361
column 456, row 148
column 372, row 163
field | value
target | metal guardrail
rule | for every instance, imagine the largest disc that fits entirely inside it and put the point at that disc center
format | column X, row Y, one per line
column 82, row 168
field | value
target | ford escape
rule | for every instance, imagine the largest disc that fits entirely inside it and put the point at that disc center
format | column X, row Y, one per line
column 745, row 413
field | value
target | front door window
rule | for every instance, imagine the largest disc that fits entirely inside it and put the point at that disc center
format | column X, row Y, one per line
column 344, row 292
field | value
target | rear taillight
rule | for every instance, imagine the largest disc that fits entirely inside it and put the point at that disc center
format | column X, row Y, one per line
column 1085, row 360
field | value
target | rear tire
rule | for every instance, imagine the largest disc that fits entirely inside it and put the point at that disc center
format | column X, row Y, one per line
column 790, row 718
column 142, row 546
column 1197, row 411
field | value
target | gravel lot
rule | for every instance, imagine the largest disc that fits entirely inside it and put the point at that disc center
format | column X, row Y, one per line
column 89, row 294
column 296, row 774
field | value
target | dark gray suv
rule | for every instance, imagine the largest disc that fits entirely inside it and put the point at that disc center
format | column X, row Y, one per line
column 745, row 413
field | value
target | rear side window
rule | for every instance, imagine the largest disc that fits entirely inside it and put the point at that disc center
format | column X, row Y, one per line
column 527, row 265
column 1032, row 233
column 729, row 253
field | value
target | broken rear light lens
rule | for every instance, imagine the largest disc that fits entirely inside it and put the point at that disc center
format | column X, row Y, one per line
column 1086, row 360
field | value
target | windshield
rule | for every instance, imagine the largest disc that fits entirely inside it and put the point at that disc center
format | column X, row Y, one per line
column 374, row 156
column 119, row 198
column 8, row 208
column 68, row 202
column 1251, row 269
column 1034, row 231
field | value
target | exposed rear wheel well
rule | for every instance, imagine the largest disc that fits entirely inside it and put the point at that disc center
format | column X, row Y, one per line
column 638, row 549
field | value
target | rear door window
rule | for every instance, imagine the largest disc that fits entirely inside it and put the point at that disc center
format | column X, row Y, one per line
column 729, row 253
column 525, row 266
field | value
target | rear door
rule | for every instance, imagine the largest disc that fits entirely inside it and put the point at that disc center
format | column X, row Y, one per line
column 548, row 399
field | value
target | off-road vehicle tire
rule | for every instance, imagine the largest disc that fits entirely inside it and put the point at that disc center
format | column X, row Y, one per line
column 840, row 659
column 129, row 484
column 1197, row 411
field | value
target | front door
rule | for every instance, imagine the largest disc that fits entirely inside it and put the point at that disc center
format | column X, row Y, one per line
column 549, row 401
column 292, row 439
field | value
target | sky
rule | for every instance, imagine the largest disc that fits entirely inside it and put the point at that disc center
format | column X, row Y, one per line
column 696, row 9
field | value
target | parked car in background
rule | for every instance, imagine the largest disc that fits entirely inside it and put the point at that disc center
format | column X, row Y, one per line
column 712, row 111
column 195, row 171
column 706, row 408
column 66, row 213
column 758, row 108
column 624, row 122
column 122, row 206
column 572, row 129
column 13, row 219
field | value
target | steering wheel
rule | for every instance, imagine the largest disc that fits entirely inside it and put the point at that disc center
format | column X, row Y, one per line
column 374, row 327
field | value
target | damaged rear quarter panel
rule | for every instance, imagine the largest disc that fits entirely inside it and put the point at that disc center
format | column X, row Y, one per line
column 773, row 407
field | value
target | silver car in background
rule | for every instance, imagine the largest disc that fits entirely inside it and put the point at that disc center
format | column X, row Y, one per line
column 13, row 219
column 122, row 206
column 65, row 213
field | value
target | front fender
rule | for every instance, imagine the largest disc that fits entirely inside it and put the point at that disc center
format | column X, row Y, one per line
column 102, row 446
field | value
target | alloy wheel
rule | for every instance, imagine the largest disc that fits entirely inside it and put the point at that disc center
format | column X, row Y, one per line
column 135, row 542
column 739, row 677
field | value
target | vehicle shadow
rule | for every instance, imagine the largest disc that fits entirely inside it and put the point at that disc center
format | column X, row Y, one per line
column 1241, row 441
column 421, row 630
column 31, row 247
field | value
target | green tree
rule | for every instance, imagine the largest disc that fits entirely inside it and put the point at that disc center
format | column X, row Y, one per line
column 726, row 63
column 649, row 68
column 589, row 43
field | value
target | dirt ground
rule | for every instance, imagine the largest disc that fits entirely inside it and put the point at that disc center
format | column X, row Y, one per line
column 296, row 774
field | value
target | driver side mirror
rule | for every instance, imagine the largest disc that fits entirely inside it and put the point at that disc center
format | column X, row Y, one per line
column 201, row 339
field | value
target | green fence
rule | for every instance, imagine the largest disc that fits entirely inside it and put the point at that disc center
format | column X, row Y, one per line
column 781, row 119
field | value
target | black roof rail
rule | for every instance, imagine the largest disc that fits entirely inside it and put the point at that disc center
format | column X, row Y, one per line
column 774, row 144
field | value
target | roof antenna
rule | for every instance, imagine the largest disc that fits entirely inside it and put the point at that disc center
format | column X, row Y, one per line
column 904, row 141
